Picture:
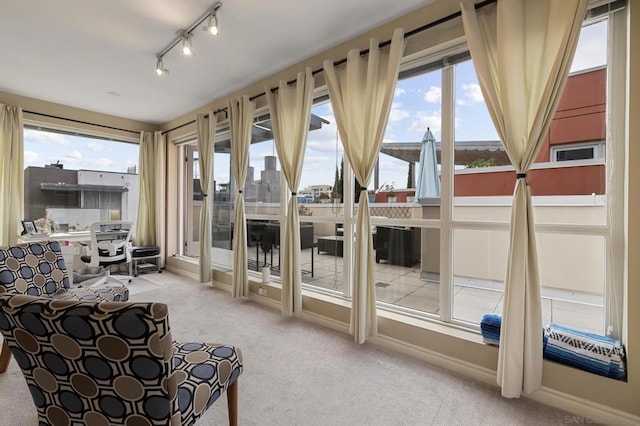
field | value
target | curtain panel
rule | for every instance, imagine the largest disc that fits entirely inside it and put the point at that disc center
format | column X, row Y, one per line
column 12, row 173
column 206, row 128
column 149, row 229
column 522, row 52
column 240, row 124
column 361, row 94
column 290, row 110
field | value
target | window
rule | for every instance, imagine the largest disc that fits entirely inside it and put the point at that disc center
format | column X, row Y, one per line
column 71, row 181
column 222, row 210
column 572, row 199
column 443, row 255
column 578, row 152
column 454, row 269
column 325, row 183
column 262, row 193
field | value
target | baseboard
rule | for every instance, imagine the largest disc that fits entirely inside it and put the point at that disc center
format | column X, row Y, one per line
column 324, row 322
column 265, row 301
column 589, row 411
column 181, row 272
column 456, row 365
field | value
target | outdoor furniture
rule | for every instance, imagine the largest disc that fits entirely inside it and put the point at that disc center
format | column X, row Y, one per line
column 397, row 245
column 272, row 236
column 332, row 244
column 38, row 269
column 114, row 363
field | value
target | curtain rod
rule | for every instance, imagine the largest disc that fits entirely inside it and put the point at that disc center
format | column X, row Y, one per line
column 80, row 121
column 362, row 53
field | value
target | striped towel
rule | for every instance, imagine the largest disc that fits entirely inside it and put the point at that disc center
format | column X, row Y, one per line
column 590, row 352
column 490, row 329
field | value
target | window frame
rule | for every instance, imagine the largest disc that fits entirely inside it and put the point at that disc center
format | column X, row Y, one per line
column 598, row 147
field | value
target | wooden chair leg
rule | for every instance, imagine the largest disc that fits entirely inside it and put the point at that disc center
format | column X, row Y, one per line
column 5, row 357
column 232, row 403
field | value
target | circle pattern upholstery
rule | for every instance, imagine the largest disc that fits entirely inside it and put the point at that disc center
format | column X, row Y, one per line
column 112, row 362
column 38, row 269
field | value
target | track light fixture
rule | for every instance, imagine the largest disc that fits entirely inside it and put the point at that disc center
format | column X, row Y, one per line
column 212, row 25
column 184, row 36
column 160, row 70
column 187, row 48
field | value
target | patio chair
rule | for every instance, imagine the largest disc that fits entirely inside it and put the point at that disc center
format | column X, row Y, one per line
column 114, row 363
column 38, row 269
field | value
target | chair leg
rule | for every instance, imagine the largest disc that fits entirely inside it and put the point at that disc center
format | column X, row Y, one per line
column 232, row 403
column 5, row 357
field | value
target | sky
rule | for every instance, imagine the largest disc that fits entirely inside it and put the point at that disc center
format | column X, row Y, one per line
column 416, row 106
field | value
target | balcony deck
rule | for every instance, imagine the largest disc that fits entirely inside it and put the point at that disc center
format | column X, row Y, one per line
column 406, row 287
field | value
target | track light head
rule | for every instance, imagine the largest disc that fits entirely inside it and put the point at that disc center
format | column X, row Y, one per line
column 160, row 69
column 187, row 48
column 212, row 25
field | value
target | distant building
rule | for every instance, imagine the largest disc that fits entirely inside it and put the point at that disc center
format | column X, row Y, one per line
column 315, row 190
column 77, row 198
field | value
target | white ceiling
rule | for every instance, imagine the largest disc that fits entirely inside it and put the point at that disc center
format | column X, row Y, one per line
column 74, row 52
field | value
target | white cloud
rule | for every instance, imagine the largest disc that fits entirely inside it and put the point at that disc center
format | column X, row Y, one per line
column 399, row 91
column 94, row 146
column 423, row 120
column 41, row 137
column 74, row 155
column 433, row 95
column 592, row 47
column 32, row 159
column 398, row 113
column 103, row 163
column 471, row 93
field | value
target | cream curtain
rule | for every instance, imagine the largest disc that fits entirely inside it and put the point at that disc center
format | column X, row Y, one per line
column 290, row 110
column 240, row 123
column 361, row 94
column 522, row 52
column 12, row 176
column 206, row 127
column 149, row 229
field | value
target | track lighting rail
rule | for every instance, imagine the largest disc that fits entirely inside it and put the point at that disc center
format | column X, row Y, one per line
column 182, row 34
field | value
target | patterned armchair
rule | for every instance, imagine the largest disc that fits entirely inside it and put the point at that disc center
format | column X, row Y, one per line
column 38, row 269
column 114, row 363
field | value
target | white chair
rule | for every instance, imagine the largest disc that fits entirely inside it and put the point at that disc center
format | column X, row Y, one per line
column 110, row 244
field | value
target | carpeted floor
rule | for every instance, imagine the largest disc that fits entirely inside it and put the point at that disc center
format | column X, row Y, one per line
column 297, row 373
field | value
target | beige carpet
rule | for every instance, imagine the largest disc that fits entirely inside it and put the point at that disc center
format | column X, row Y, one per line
column 298, row 373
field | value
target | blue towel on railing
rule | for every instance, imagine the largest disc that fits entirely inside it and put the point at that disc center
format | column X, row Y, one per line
column 591, row 352
column 490, row 329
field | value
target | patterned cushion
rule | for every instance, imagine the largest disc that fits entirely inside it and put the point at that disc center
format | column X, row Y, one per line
column 590, row 352
column 203, row 373
column 112, row 363
column 103, row 293
column 38, row 269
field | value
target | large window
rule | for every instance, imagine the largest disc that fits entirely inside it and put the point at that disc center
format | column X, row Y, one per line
column 571, row 187
column 445, row 255
column 71, row 181
column 441, row 244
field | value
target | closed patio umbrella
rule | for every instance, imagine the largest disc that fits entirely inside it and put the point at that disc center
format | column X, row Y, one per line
column 428, row 179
